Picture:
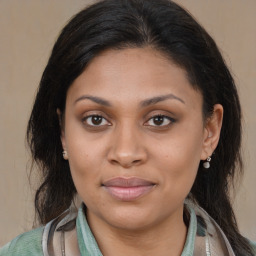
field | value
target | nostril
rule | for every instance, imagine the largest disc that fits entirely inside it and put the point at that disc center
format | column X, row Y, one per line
column 114, row 161
column 125, row 164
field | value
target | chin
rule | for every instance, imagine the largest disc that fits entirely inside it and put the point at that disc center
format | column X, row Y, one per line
column 130, row 218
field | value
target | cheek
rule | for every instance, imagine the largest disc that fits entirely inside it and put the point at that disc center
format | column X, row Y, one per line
column 178, row 158
column 86, row 176
column 182, row 148
column 83, row 152
column 85, row 162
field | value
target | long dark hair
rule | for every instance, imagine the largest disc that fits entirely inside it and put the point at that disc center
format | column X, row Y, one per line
column 117, row 24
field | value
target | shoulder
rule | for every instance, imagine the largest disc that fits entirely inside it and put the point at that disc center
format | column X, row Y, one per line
column 253, row 245
column 29, row 243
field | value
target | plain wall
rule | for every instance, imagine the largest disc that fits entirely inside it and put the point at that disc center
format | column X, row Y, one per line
column 28, row 29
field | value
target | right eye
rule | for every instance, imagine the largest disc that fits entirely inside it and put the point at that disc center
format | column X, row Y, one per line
column 95, row 120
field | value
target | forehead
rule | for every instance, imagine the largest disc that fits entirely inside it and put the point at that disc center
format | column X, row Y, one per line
column 131, row 75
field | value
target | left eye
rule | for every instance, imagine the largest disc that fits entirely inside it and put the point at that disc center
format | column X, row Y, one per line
column 95, row 120
column 160, row 120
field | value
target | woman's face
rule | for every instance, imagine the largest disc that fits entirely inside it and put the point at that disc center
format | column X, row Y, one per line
column 134, row 135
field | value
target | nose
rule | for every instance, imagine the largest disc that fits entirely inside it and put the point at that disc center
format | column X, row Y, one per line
column 127, row 148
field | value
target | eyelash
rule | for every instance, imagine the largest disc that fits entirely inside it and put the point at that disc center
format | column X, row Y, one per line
column 107, row 123
column 168, row 118
column 86, row 118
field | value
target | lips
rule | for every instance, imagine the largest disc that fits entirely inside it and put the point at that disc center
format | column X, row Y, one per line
column 128, row 189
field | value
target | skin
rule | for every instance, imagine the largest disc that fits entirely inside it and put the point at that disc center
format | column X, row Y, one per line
column 129, row 141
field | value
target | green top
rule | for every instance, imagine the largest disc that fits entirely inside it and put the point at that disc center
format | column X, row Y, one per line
column 30, row 243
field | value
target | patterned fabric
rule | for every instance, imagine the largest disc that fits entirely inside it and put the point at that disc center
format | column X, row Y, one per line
column 70, row 235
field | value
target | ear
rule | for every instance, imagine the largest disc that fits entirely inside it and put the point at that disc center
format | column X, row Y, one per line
column 62, row 134
column 212, row 131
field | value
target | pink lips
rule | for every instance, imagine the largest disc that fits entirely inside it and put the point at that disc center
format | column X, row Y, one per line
column 127, row 189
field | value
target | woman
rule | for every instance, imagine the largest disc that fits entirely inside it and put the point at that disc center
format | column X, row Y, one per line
column 138, row 114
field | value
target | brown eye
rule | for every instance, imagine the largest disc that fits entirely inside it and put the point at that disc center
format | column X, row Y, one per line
column 95, row 120
column 160, row 120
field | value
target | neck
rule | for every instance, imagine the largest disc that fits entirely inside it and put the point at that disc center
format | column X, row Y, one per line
column 165, row 238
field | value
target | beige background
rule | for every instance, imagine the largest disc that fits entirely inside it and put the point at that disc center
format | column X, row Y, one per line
column 28, row 29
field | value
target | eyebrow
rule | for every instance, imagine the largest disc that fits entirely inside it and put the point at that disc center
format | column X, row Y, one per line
column 95, row 99
column 144, row 103
column 160, row 98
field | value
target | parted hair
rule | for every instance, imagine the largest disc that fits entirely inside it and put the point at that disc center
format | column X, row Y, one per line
column 120, row 24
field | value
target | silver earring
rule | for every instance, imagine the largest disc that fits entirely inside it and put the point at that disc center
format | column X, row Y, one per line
column 65, row 154
column 206, row 164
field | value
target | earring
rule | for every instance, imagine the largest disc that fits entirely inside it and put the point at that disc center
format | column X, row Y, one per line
column 65, row 154
column 206, row 164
